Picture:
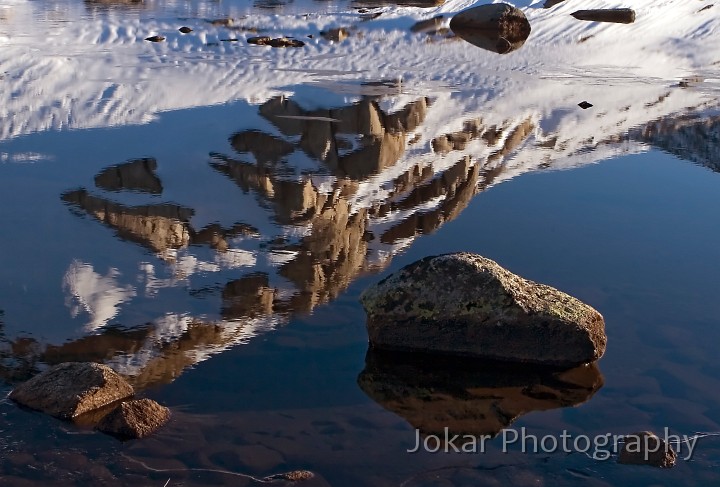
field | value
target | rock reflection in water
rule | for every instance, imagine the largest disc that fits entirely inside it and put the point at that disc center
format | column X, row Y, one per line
column 402, row 3
column 499, row 28
column 95, row 5
column 136, row 175
column 158, row 227
column 690, row 137
column 467, row 396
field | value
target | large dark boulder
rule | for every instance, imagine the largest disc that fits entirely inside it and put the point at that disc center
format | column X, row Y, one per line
column 134, row 419
column 70, row 389
column 497, row 27
column 465, row 304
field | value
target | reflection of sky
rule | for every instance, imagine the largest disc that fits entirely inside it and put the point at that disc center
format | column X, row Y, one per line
column 97, row 295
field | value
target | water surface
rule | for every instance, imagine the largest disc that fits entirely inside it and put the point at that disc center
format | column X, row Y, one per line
column 202, row 215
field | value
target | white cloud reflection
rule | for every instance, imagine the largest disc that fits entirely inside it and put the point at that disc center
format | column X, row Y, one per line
column 97, row 295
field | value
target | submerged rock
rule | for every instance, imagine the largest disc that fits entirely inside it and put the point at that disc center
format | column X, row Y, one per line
column 466, row 304
column 616, row 15
column 134, row 419
column 294, row 476
column 70, row 389
column 468, row 396
column 645, row 448
column 497, row 27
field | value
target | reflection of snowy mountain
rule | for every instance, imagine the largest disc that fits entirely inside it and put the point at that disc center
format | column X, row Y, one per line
column 349, row 158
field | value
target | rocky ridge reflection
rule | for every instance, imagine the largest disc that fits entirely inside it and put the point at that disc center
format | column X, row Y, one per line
column 346, row 189
column 338, row 236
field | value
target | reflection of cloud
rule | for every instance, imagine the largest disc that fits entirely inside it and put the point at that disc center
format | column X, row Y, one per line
column 24, row 157
column 187, row 265
column 100, row 296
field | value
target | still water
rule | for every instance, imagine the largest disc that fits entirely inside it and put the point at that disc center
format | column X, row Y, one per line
column 202, row 215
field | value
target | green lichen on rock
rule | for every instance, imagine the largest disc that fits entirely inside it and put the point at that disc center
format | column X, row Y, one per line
column 466, row 304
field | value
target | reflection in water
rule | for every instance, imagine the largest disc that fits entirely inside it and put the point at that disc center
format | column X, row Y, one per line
column 690, row 137
column 248, row 296
column 345, row 188
column 97, row 6
column 17, row 358
column 498, row 28
column 100, row 296
column 137, row 175
column 467, row 396
column 551, row 3
column 380, row 137
column 402, row 3
column 158, row 227
column 339, row 236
